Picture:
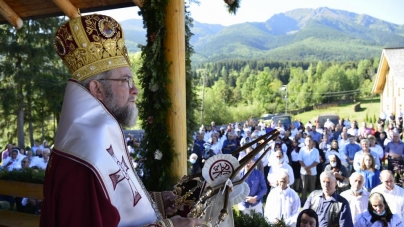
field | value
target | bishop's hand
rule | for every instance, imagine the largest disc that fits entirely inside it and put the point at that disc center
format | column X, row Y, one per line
column 179, row 221
column 169, row 202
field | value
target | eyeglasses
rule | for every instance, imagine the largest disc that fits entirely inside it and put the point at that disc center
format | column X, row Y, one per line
column 129, row 80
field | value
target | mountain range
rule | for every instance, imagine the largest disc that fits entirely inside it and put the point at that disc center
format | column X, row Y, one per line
column 298, row 35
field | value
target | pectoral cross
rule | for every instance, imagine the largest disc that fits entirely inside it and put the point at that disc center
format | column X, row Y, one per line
column 122, row 174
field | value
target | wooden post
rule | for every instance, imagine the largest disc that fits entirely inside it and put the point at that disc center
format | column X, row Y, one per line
column 175, row 54
column 67, row 8
column 10, row 15
column 139, row 3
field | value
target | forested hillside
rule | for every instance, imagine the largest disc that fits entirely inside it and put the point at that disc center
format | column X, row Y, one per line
column 236, row 90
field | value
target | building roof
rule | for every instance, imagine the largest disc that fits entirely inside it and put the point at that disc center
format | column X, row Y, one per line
column 391, row 62
column 33, row 9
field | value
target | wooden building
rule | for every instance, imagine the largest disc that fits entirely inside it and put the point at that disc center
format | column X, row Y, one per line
column 389, row 81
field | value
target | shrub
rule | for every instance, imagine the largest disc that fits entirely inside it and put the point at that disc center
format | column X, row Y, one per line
column 253, row 220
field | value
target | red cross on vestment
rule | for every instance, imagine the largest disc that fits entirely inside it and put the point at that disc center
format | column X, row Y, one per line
column 122, row 174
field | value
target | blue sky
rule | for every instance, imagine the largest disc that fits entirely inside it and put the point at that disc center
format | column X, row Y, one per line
column 215, row 12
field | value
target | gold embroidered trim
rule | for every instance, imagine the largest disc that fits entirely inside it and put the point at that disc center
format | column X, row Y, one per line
column 160, row 203
column 99, row 67
column 167, row 223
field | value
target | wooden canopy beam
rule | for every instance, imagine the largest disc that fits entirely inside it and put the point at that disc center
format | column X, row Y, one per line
column 68, row 8
column 10, row 15
column 139, row 3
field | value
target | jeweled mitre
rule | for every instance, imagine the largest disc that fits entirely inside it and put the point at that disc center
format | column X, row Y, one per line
column 91, row 44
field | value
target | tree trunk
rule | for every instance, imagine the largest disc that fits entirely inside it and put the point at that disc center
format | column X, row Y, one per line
column 30, row 124
column 31, row 131
column 20, row 125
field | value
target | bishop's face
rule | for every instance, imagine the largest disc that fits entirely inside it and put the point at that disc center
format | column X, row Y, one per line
column 119, row 95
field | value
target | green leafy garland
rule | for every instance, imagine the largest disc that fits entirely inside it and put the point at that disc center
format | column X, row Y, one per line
column 23, row 175
column 157, row 145
column 154, row 107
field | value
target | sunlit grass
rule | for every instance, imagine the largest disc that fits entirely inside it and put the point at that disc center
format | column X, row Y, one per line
column 371, row 108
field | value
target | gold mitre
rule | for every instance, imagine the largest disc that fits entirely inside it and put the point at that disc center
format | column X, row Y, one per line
column 91, row 44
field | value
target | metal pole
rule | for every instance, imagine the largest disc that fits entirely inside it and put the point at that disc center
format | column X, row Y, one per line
column 286, row 102
column 203, row 96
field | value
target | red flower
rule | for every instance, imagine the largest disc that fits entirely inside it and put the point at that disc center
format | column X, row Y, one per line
column 150, row 119
column 153, row 37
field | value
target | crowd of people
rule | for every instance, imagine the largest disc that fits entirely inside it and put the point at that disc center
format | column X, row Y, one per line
column 348, row 175
column 35, row 157
column 15, row 158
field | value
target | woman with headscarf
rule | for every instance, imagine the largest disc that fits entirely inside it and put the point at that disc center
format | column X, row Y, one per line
column 334, row 149
column 340, row 172
column 378, row 214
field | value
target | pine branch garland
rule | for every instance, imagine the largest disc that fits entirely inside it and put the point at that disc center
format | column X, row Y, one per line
column 23, row 175
column 154, row 77
column 154, row 107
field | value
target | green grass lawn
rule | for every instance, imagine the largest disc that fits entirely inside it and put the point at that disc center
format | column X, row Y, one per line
column 369, row 107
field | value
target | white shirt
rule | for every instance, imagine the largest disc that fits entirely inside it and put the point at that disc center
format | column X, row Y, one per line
column 34, row 160
column 325, row 146
column 378, row 150
column 328, row 124
column 394, row 198
column 386, row 141
column 308, row 157
column 294, row 155
column 262, row 132
column 359, row 156
column 130, row 149
column 21, row 156
column 243, row 140
column 342, row 143
column 275, row 170
column 301, row 141
column 272, row 160
column 266, row 157
column 281, row 129
column 353, row 131
column 358, row 204
column 41, row 163
column 16, row 163
column 207, row 136
column 363, row 220
column 293, row 132
column 282, row 203
column 217, row 148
